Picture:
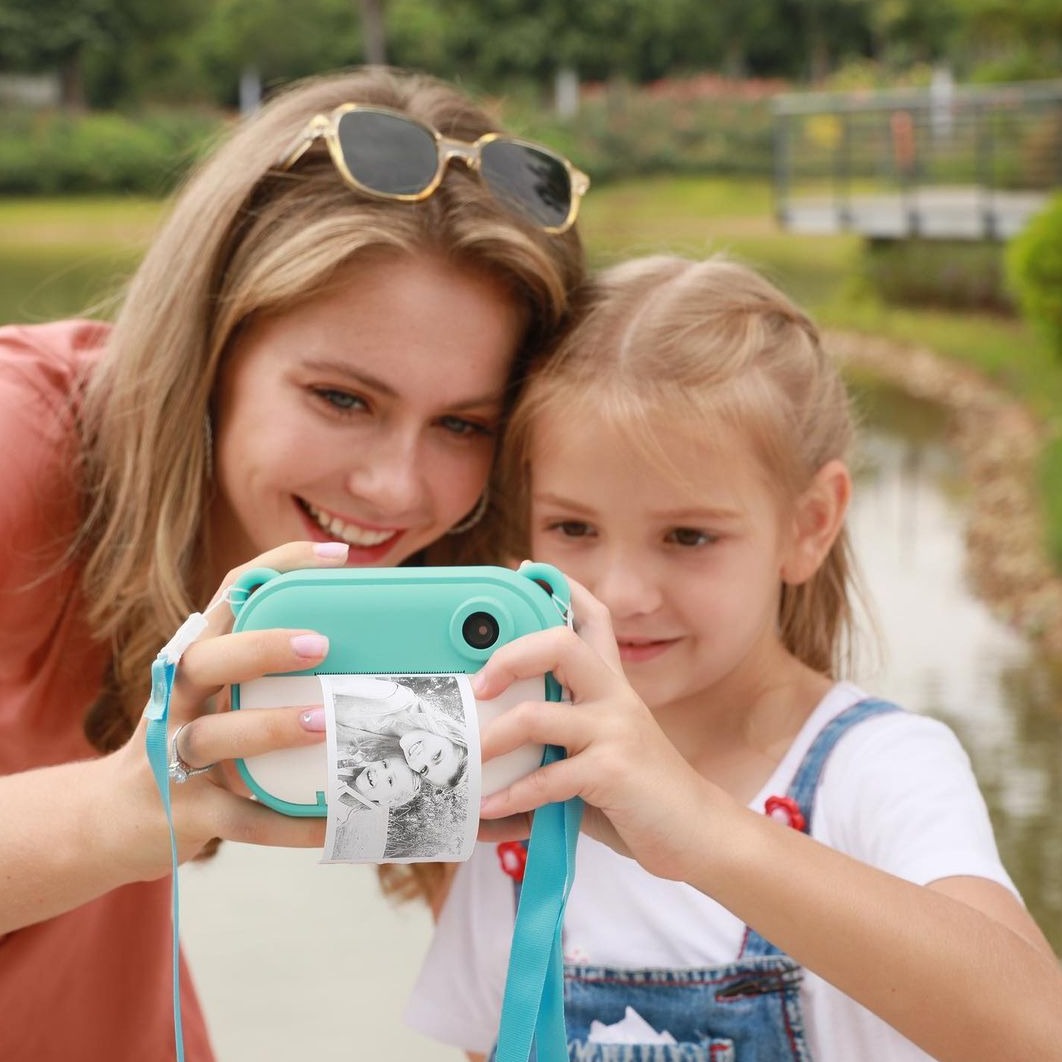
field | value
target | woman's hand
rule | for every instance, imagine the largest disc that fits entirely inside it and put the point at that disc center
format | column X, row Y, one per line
column 641, row 795
column 74, row 831
column 217, row 804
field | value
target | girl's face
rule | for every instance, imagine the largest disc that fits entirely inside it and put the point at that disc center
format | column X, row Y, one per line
column 690, row 571
column 387, row 782
column 366, row 415
column 434, row 757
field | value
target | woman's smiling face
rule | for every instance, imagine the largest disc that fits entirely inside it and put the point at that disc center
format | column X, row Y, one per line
column 434, row 757
column 367, row 415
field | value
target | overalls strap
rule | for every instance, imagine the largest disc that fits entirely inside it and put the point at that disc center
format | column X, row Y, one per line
column 805, row 783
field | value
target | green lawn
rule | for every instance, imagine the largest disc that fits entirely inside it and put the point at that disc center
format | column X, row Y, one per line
column 702, row 216
column 62, row 256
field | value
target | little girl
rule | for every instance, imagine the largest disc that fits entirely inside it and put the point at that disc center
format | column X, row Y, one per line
column 774, row 865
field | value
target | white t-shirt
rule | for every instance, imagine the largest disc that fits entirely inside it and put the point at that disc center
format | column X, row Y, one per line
column 897, row 792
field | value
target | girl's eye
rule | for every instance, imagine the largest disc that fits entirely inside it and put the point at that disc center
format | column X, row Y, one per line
column 571, row 528
column 343, row 401
column 461, row 427
column 437, row 758
column 689, row 536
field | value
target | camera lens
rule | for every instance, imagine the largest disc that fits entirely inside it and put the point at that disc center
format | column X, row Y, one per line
column 480, row 630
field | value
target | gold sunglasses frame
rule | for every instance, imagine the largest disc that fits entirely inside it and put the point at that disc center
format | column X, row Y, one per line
column 326, row 127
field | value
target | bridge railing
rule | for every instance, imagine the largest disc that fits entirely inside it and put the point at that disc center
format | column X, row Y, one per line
column 955, row 162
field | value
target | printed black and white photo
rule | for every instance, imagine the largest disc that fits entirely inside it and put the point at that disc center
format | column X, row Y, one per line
column 403, row 755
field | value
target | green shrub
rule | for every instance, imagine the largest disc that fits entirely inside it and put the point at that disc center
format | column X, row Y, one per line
column 700, row 126
column 1034, row 270
column 102, row 152
column 621, row 131
column 1050, row 477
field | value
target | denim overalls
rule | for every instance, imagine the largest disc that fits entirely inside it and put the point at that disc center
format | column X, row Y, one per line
column 745, row 1011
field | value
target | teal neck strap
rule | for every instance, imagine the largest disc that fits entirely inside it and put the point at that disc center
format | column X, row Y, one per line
column 533, row 1005
column 158, row 710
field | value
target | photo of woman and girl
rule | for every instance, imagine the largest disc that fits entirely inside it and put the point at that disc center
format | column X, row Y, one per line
column 402, row 755
column 774, row 864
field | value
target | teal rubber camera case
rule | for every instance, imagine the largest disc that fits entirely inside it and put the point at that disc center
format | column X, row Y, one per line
column 386, row 621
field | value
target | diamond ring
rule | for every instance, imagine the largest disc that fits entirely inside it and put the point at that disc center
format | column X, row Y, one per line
column 178, row 770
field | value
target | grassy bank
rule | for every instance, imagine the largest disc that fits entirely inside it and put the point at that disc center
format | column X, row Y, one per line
column 58, row 256
column 62, row 256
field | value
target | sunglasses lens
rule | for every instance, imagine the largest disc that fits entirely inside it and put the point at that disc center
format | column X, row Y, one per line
column 531, row 180
column 387, row 153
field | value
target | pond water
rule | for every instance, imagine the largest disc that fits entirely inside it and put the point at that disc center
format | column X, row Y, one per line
column 943, row 651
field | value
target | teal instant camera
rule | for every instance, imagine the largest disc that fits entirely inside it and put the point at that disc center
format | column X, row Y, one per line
column 391, row 621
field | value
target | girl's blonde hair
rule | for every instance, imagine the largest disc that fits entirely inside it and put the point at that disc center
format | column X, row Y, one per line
column 713, row 347
column 245, row 238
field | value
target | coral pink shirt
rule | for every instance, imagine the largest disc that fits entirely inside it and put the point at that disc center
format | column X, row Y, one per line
column 94, row 983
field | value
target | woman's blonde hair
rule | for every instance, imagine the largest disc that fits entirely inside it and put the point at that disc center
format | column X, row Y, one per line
column 714, row 347
column 244, row 238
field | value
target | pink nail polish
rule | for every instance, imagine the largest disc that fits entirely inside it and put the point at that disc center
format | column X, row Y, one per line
column 313, row 719
column 309, row 645
column 331, row 549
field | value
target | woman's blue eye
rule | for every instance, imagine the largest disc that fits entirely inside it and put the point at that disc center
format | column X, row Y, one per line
column 689, row 536
column 342, row 400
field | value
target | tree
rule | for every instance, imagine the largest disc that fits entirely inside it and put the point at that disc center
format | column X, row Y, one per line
column 909, row 31
column 104, row 51
column 1022, row 40
column 372, row 31
column 276, row 40
column 45, row 35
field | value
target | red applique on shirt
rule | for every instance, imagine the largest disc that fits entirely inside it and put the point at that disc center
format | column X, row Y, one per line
column 512, row 855
column 785, row 809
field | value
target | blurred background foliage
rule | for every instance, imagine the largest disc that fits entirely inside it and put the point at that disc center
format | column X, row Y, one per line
column 666, row 103
column 128, row 53
column 665, row 86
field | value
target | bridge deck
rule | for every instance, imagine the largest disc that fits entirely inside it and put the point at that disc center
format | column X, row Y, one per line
column 931, row 213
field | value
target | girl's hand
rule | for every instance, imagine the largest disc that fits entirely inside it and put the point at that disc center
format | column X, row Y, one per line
column 216, row 804
column 641, row 795
column 887, row 943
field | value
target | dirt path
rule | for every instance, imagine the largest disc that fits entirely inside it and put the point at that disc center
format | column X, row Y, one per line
column 998, row 441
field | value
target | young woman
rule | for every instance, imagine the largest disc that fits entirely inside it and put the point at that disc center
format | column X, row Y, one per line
column 776, row 865
column 438, row 753
column 310, row 367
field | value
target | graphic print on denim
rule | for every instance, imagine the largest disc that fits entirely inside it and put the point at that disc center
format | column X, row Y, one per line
column 745, row 1011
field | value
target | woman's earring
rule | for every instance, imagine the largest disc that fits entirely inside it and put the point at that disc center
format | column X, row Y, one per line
column 473, row 517
column 208, row 446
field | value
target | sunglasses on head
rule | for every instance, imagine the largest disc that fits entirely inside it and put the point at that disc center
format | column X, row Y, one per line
column 389, row 155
